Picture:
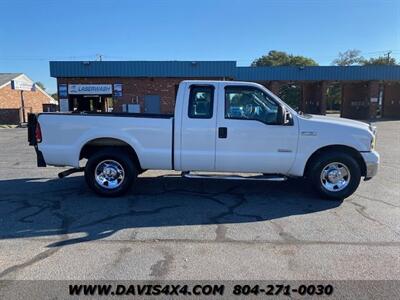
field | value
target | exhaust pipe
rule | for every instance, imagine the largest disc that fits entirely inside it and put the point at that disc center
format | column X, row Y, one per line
column 69, row 172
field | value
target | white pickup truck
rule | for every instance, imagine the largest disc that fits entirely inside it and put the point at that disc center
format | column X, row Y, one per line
column 218, row 126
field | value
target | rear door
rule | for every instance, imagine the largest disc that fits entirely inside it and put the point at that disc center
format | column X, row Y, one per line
column 249, row 137
column 198, row 128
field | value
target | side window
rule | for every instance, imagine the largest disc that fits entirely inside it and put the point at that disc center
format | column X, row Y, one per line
column 201, row 101
column 249, row 103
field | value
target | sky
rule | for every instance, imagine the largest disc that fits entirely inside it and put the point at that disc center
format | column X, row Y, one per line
column 32, row 33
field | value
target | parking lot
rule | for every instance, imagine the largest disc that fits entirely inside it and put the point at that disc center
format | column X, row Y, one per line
column 174, row 228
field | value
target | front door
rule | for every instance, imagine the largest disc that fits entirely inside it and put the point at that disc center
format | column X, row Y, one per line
column 249, row 137
column 152, row 104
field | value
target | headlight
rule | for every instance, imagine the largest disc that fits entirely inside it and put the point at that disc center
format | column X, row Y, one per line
column 373, row 141
column 372, row 128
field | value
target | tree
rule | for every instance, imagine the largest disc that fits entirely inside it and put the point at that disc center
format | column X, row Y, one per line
column 349, row 58
column 54, row 96
column 334, row 96
column 280, row 58
column 353, row 57
column 291, row 94
column 41, row 85
column 381, row 60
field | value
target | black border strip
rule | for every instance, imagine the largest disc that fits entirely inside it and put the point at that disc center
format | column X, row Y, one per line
column 111, row 114
column 173, row 145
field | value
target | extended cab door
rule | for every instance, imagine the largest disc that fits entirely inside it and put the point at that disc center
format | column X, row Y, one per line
column 249, row 137
column 198, row 128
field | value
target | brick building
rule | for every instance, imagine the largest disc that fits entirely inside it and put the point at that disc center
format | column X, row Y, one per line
column 150, row 86
column 12, row 106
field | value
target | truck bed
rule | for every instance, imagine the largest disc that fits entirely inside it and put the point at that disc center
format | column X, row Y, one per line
column 65, row 134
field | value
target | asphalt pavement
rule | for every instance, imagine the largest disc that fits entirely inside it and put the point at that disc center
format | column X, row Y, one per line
column 174, row 228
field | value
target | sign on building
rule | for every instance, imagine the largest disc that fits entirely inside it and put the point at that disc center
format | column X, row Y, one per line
column 63, row 90
column 117, row 89
column 22, row 85
column 90, row 89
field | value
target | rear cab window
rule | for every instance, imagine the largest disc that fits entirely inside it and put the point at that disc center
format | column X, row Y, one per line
column 201, row 102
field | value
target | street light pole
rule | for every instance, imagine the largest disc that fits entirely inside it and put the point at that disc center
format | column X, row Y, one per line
column 23, row 106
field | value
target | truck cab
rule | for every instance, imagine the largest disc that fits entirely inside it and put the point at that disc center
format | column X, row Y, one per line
column 233, row 127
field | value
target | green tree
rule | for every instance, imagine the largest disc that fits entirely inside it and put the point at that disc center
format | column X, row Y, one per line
column 349, row 58
column 334, row 97
column 54, row 96
column 354, row 57
column 280, row 58
column 291, row 94
column 381, row 60
column 41, row 85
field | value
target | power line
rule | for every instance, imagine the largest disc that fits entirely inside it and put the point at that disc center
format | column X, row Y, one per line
column 101, row 57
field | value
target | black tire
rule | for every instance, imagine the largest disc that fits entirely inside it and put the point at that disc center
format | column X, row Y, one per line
column 343, row 159
column 123, row 162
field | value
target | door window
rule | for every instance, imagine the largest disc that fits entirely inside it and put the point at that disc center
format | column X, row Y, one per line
column 250, row 103
column 201, row 101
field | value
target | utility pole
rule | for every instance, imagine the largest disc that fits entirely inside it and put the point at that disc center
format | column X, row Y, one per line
column 23, row 106
column 388, row 56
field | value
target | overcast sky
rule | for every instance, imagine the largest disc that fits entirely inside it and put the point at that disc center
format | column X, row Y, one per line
column 34, row 32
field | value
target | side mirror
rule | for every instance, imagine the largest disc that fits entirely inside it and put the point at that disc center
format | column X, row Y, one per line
column 286, row 117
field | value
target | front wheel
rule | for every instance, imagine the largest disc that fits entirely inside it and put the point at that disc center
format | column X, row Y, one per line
column 335, row 175
column 110, row 172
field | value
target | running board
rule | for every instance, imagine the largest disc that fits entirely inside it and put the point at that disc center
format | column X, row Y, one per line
column 236, row 177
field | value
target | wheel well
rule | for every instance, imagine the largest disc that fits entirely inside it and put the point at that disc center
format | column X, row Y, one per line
column 95, row 145
column 337, row 148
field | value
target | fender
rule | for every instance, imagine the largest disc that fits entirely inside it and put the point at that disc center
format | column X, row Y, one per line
column 93, row 134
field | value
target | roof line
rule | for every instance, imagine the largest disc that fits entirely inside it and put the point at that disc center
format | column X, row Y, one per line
column 54, row 101
column 218, row 69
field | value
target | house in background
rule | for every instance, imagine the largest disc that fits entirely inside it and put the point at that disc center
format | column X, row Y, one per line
column 13, row 105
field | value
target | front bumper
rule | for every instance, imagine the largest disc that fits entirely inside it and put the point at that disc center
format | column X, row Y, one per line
column 371, row 160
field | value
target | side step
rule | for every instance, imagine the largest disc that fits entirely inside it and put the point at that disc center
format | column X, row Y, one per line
column 266, row 177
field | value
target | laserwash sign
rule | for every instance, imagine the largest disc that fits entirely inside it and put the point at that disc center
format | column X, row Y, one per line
column 90, row 89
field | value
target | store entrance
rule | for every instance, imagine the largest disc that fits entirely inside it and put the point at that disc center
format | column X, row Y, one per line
column 94, row 103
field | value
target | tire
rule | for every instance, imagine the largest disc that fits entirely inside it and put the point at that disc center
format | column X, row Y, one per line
column 328, row 175
column 110, row 172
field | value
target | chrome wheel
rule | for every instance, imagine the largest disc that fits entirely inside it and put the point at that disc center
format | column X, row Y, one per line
column 109, row 174
column 335, row 177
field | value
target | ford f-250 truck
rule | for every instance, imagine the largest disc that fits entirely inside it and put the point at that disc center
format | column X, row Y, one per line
column 218, row 126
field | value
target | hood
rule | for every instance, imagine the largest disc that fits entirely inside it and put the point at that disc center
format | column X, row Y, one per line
column 331, row 130
column 339, row 121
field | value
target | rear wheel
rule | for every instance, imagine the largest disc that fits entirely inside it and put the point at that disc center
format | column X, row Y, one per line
column 110, row 172
column 335, row 175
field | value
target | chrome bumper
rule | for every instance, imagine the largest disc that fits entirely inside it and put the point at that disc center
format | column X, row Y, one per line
column 371, row 160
